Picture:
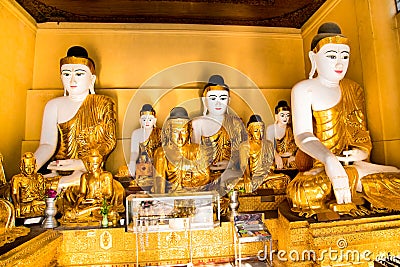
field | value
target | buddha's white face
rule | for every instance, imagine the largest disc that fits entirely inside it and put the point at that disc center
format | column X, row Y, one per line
column 216, row 102
column 332, row 61
column 77, row 79
column 283, row 117
column 147, row 121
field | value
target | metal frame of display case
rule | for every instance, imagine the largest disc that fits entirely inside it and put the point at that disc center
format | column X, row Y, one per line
column 240, row 240
column 140, row 222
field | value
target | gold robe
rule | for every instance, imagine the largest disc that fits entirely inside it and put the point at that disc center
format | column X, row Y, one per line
column 93, row 126
column 287, row 144
column 94, row 189
column 151, row 144
column 258, row 156
column 28, row 195
column 341, row 128
column 181, row 169
column 225, row 144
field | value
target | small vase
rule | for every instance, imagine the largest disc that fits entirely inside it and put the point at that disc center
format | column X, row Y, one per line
column 104, row 222
column 234, row 204
column 50, row 211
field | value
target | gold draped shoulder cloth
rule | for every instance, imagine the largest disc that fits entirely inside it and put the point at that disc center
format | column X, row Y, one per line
column 92, row 127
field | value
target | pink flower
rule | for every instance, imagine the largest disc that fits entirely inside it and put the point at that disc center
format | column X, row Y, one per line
column 51, row 193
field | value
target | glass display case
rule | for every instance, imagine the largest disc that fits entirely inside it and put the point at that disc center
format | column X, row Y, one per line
column 169, row 212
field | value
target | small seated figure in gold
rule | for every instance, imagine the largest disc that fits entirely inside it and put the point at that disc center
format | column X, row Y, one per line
column 180, row 165
column 28, row 189
column 255, row 155
column 281, row 134
column 83, row 203
column 256, row 158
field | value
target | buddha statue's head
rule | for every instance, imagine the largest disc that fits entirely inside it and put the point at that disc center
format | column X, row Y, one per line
column 255, row 127
column 77, row 72
column 215, row 96
column 93, row 160
column 329, row 53
column 147, row 117
column 177, row 127
column 28, row 164
column 282, row 113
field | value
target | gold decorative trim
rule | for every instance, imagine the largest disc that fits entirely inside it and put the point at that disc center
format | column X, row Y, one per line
column 39, row 251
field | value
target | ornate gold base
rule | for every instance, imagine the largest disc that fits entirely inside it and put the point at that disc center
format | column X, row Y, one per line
column 39, row 251
column 249, row 203
column 114, row 245
column 10, row 234
column 352, row 242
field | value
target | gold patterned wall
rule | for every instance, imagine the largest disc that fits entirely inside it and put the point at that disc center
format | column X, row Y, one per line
column 17, row 48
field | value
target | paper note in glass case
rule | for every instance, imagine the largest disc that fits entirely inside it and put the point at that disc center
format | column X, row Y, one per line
column 166, row 212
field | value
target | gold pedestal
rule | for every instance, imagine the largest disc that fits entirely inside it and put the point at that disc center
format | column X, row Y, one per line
column 351, row 242
column 261, row 200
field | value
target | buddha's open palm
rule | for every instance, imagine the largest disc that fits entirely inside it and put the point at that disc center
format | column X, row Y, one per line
column 67, row 165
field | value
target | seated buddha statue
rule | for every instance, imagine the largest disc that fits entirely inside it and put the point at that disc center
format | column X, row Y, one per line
column 144, row 142
column 28, row 189
column 255, row 155
column 83, row 203
column 281, row 134
column 329, row 125
column 180, row 165
column 221, row 132
column 256, row 158
column 77, row 122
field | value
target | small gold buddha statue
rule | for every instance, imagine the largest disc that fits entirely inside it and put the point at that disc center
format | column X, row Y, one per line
column 28, row 189
column 256, row 158
column 83, row 203
column 179, row 164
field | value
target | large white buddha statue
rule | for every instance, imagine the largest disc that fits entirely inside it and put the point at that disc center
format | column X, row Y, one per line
column 329, row 124
column 77, row 122
column 220, row 131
